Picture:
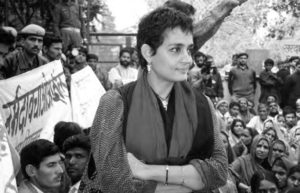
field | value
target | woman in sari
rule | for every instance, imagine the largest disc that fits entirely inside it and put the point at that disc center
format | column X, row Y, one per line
column 157, row 130
column 248, row 164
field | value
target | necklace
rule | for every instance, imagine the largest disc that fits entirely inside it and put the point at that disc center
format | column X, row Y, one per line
column 165, row 100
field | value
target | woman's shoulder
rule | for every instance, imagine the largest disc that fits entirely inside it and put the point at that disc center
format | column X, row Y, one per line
column 111, row 95
column 111, row 98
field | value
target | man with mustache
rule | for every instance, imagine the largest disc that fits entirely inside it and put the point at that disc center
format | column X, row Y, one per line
column 41, row 166
column 27, row 58
column 76, row 149
column 123, row 73
column 52, row 47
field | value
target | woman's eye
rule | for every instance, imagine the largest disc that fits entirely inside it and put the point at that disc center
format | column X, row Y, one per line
column 190, row 51
column 175, row 49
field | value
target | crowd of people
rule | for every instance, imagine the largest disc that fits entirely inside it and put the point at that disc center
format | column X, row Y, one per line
column 262, row 140
column 163, row 125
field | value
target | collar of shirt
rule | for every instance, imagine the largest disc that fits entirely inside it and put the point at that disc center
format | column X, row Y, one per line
column 246, row 67
column 75, row 187
column 36, row 188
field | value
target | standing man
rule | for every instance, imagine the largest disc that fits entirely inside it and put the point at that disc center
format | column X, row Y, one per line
column 41, row 166
column 123, row 73
column 77, row 150
column 27, row 58
column 242, row 80
column 291, row 89
column 52, row 47
column 269, row 82
column 69, row 24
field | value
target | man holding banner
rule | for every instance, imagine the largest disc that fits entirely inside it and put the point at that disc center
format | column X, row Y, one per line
column 21, row 61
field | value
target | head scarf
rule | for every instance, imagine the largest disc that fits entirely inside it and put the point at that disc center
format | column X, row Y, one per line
column 286, row 150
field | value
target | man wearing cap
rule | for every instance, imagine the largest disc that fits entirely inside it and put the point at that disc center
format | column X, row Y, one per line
column 242, row 80
column 27, row 58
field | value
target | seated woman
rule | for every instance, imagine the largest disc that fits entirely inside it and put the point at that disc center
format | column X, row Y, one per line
column 270, row 133
column 235, row 131
column 278, row 149
column 280, row 169
column 293, row 177
column 230, row 186
column 272, row 124
column 168, row 127
column 221, row 109
column 248, row 164
column 263, row 181
column 230, row 153
column 244, row 146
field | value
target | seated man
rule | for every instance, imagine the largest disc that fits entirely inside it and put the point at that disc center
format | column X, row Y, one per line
column 41, row 166
column 123, row 73
column 76, row 149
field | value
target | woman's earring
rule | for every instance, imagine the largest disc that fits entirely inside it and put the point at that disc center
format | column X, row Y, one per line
column 148, row 68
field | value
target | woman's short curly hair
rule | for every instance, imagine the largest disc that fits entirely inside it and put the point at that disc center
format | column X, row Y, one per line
column 152, row 28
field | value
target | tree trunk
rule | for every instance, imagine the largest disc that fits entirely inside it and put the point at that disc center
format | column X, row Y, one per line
column 209, row 25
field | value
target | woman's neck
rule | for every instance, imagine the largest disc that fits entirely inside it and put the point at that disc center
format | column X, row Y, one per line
column 160, row 86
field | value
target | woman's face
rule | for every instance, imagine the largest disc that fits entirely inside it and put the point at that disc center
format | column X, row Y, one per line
column 281, row 121
column 262, row 149
column 223, row 108
column 268, row 125
column 280, row 174
column 263, row 113
column 293, row 180
column 278, row 150
column 270, row 135
column 172, row 59
column 246, row 137
column 267, row 186
column 238, row 128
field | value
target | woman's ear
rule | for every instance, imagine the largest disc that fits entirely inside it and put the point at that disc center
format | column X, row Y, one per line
column 146, row 51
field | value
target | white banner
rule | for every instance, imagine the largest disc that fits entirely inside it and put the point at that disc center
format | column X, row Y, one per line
column 33, row 102
column 86, row 91
column 9, row 162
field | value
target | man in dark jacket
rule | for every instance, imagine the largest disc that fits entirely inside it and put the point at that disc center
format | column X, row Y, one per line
column 27, row 58
column 269, row 82
column 292, row 88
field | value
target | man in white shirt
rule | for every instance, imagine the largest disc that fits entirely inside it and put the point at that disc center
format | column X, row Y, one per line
column 123, row 73
column 76, row 149
column 41, row 166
